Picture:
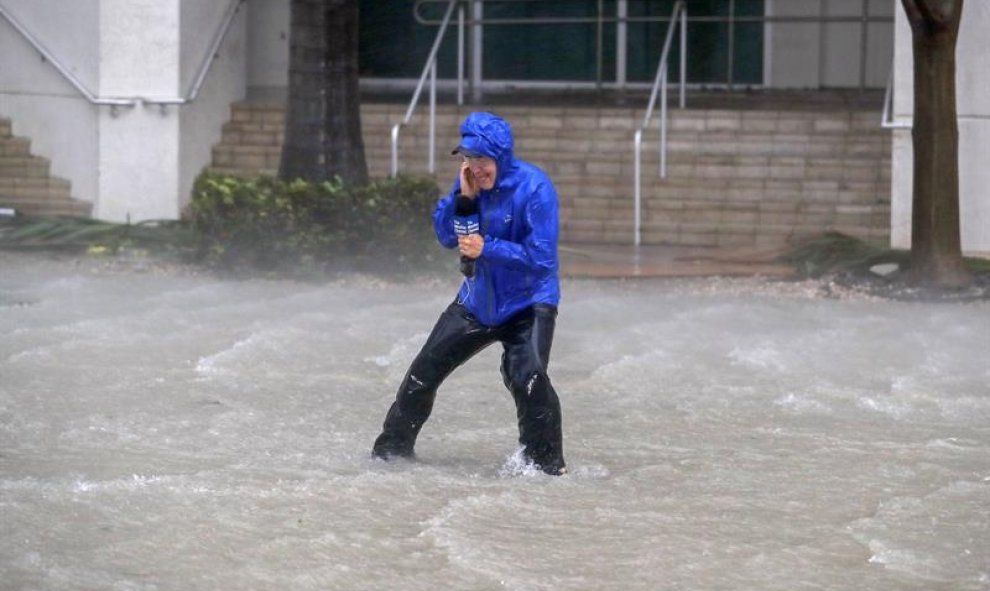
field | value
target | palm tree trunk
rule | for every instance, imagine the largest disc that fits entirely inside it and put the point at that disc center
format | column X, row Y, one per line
column 302, row 149
column 343, row 143
column 936, row 251
column 323, row 119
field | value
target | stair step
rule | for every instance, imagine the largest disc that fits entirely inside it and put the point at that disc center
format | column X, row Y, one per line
column 252, row 136
column 615, row 119
column 242, row 172
column 14, row 147
column 26, row 183
column 246, row 157
column 684, row 210
column 696, row 234
column 45, row 205
column 24, row 166
column 34, row 187
column 55, row 209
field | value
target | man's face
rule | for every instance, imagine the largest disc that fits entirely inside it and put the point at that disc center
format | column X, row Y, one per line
column 483, row 169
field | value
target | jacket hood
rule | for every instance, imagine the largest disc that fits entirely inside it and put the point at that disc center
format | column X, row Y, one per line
column 487, row 134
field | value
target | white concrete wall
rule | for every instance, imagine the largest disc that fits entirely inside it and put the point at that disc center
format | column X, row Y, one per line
column 66, row 29
column 268, row 48
column 139, row 56
column 812, row 55
column 43, row 106
column 973, row 107
column 201, row 121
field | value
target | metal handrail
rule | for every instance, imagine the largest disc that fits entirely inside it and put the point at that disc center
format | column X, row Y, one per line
column 132, row 101
column 579, row 20
column 430, row 69
column 659, row 87
column 887, row 119
column 54, row 61
column 218, row 39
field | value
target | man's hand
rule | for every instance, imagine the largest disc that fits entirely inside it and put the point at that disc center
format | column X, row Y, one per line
column 470, row 245
column 469, row 185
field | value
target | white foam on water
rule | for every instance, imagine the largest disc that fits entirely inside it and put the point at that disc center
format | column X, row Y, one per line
column 215, row 364
column 760, row 357
column 517, row 465
column 401, row 352
column 935, row 537
column 802, row 403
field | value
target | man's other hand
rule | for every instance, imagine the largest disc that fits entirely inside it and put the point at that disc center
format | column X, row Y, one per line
column 470, row 245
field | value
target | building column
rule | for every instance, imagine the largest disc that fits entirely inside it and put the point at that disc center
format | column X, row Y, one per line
column 139, row 147
column 477, row 48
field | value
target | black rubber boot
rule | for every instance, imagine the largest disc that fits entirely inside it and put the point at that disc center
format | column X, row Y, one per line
column 413, row 405
column 524, row 371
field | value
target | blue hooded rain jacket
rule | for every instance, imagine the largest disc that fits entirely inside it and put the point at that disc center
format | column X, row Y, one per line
column 519, row 221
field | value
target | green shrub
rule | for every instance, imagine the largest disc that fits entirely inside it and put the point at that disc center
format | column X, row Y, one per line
column 267, row 224
column 834, row 251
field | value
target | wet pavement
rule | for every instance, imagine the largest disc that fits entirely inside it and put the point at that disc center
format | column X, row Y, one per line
column 194, row 432
column 617, row 261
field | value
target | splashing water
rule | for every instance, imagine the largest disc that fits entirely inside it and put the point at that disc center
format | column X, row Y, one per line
column 181, row 432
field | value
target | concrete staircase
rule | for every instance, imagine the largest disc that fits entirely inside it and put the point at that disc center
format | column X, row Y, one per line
column 736, row 177
column 26, row 184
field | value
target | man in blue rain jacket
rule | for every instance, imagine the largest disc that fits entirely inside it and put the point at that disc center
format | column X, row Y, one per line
column 510, row 297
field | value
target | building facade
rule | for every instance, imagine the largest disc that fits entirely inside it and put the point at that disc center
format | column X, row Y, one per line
column 117, row 121
column 126, row 97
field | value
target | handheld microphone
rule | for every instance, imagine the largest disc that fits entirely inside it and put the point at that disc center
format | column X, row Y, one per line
column 466, row 221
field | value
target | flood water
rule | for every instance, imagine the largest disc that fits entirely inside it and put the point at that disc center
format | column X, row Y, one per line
column 175, row 432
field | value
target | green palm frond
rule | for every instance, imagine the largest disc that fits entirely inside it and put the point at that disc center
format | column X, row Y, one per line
column 75, row 233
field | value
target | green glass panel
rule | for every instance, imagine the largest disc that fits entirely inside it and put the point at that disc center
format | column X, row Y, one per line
column 748, row 57
column 707, row 43
column 542, row 52
column 393, row 45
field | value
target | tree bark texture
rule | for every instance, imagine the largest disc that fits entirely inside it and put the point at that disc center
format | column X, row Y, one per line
column 323, row 119
column 301, row 151
column 343, row 146
column 936, row 251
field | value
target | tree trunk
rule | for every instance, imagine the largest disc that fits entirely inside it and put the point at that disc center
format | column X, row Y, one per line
column 301, row 151
column 343, row 147
column 323, row 118
column 936, row 251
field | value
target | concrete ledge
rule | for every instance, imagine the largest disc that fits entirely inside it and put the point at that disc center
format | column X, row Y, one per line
column 615, row 261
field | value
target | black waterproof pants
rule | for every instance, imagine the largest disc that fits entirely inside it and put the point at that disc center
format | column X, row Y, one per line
column 458, row 336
